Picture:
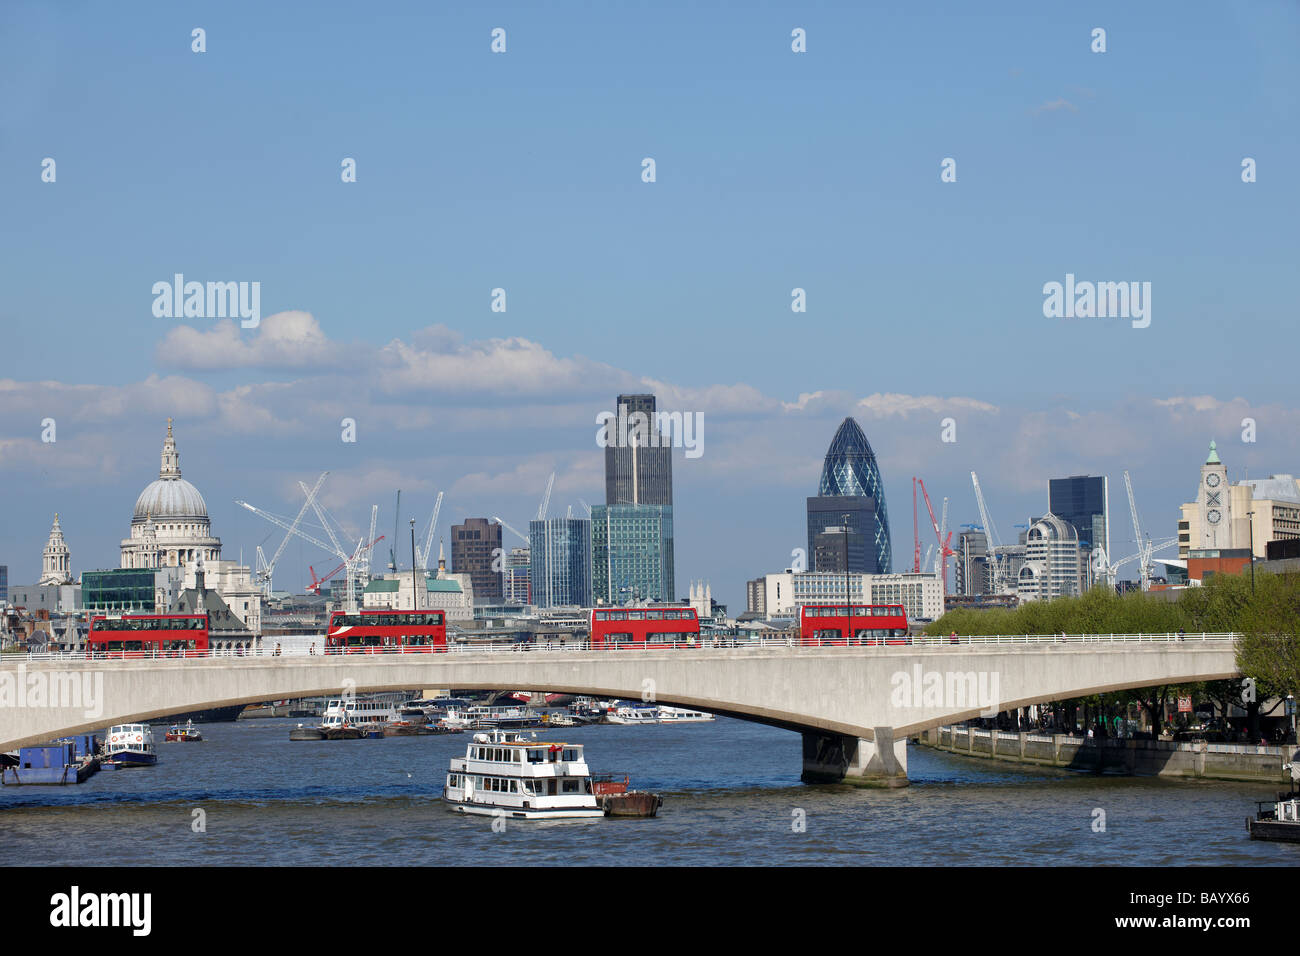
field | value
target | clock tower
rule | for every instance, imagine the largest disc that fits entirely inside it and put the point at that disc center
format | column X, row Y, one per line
column 1214, row 504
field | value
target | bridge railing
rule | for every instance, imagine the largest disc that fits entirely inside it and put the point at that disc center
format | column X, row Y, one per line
column 757, row 643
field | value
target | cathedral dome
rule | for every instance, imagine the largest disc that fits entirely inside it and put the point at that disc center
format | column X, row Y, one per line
column 168, row 498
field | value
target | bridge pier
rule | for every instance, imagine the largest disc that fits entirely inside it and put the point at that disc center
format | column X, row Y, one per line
column 833, row 758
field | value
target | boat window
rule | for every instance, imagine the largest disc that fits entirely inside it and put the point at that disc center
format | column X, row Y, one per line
column 570, row 786
column 513, row 787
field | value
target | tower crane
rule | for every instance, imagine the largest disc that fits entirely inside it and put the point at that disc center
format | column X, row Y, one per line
column 996, row 565
column 1146, row 547
column 266, row 568
column 422, row 556
column 546, row 498
column 518, row 534
column 941, row 559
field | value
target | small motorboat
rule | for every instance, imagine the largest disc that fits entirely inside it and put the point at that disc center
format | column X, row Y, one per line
column 185, row 734
column 614, row 797
column 1278, row 820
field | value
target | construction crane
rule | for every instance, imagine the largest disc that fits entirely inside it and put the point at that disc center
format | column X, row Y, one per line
column 941, row 559
column 314, row 586
column 916, row 533
column 266, row 568
column 392, row 547
column 518, row 534
column 422, row 556
column 1146, row 548
column 546, row 498
column 997, row 567
column 586, row 507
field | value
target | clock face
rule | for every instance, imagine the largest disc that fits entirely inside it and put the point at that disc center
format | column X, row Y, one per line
column 1213, row 516
column 1212, row 480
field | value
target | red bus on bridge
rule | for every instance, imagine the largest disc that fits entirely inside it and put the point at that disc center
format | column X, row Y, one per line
column 385, row 631
column 148, row 635
column 645, row 626
column 833, row 625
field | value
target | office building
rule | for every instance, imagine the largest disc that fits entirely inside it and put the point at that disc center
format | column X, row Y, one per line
column 632, row 553
column 851, row 492
column 560, row 562
column 1084, row 501
column 476, row 551
column 517, row 587
column 638, row 456
column 1055, row 563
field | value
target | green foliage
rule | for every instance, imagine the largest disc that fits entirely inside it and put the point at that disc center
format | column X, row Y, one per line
column 1267, row 615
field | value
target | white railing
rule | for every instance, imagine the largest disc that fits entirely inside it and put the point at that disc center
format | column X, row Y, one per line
column 758, row 643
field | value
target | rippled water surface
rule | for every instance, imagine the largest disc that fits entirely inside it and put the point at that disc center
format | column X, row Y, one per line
column 731, row 791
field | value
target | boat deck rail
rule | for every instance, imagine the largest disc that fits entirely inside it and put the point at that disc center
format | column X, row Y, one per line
column 757, row 643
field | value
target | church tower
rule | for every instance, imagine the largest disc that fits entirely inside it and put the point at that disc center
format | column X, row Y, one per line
column 56, row 560
column 1214, row 504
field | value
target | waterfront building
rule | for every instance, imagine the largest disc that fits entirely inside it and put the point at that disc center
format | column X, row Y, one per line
column 1055, row 563
column 787, row 591
column 637, row 472
column 170, row 525
column 225, row 627
column 851, row 492
column 756, row 597
column 56, row 560
column 1230, row 516
column 476, row 551
column 1084, row 501
column 560, row 562
column 632, row 553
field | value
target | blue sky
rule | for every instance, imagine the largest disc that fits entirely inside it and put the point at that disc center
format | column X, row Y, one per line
column 775, row 170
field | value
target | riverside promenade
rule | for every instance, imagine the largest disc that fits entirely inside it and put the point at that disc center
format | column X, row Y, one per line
column 1148, row 758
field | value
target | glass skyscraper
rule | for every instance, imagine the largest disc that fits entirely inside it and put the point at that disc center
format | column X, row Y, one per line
column 851, row 485
column 560, row 562
column 632, row 553
column 633, row 545
column 1083, row 501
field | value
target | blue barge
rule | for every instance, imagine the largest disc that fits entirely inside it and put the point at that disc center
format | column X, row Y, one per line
column 68, row 761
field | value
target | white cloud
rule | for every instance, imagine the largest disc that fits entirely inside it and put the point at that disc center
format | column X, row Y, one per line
column 290, row 340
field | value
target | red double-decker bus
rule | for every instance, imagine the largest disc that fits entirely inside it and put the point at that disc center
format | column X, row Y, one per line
column 645, row 626
column 148, row 635
column 834, row 625
column 384, row 631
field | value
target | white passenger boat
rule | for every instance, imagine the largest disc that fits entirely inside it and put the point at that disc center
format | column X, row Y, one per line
column 633, row 715
column 130, row 745
column 524, row 779
column 678, row 715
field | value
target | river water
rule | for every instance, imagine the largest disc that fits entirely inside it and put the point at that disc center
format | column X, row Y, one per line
column 731, row 796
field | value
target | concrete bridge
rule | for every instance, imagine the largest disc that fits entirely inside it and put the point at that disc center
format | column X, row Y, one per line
column 854, row 706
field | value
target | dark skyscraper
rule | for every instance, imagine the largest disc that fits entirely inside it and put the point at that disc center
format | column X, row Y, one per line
column 1082, row 501
column 850, row 485
column 638, row 461
column 475, row 548
column 635, row 540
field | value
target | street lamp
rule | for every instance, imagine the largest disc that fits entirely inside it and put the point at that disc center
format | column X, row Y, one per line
column 415, row 595
column 848, row 601
column 1251, row 525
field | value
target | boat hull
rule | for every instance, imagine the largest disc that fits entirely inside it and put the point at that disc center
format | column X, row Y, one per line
column 1274, row 830
column 634, row 804
column 511, row 813
column 125, row 759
